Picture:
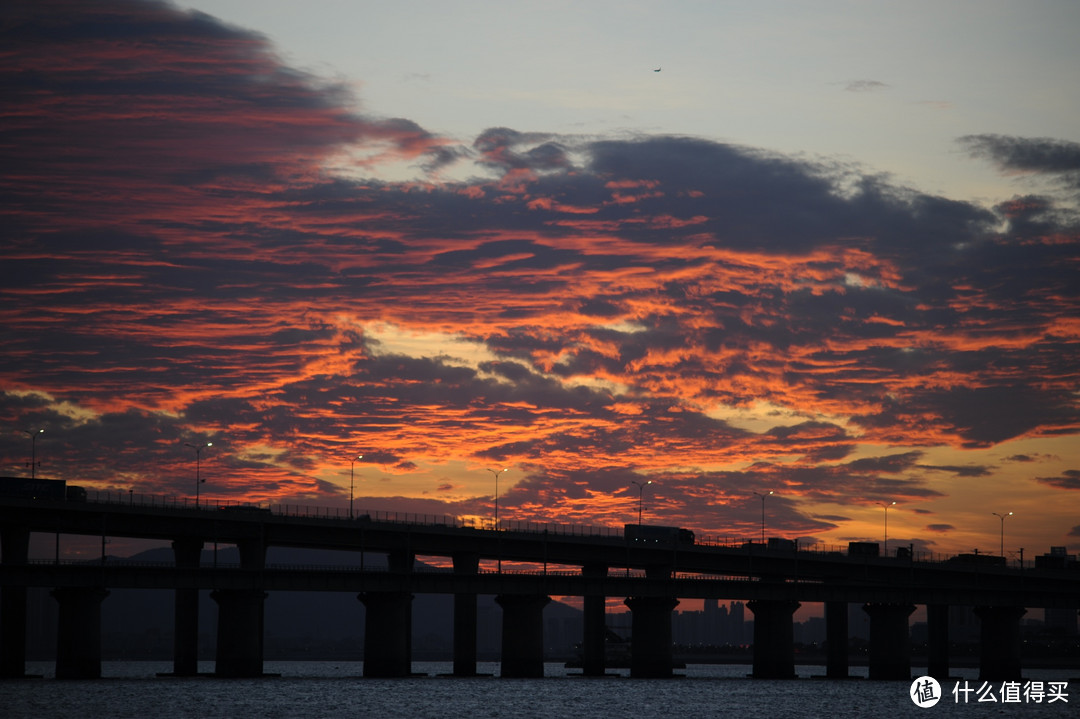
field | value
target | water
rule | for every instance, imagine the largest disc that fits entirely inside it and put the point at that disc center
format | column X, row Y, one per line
column 337, row 690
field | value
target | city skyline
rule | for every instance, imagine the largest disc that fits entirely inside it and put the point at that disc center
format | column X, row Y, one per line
column 216, row 235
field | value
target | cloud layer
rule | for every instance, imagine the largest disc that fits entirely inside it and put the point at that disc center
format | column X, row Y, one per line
column 180, row 263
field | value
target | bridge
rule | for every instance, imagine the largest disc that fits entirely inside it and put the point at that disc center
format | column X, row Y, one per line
column 591, row 563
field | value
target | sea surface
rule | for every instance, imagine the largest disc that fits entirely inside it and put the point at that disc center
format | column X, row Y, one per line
column 338, row 690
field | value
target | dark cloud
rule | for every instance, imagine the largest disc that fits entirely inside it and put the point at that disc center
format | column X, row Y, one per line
column 1055, row 160
column 1069, row 479
column 988, row 415
column 1043, row 155
column 891, row 464
column 865, row 86
column 510, row 150
column 962, row 471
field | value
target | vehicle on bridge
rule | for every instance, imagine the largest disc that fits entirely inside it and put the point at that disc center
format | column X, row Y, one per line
column 657, row 536
column 991, row 560
column 863, row 549
column 1058, row 558
column 32, row 488
column 244, row 509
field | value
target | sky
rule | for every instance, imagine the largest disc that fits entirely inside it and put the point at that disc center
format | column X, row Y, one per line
column 824, row 250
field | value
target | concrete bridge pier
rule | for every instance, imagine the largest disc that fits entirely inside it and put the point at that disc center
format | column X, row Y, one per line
column 78, row 632
column 594, row 636
column 239, row 632
column 999, row 637
column 836, row 640
column 240, row 620
column 774, row 638
column 465, row 624
column 187, row 554
column 890, row 640
column 937, row 641
column 651, row 655
column 387, row 634
column 14, row 549
column 388, row 625
column 522, row 635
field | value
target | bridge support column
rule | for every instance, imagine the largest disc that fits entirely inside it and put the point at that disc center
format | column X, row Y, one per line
column 387, row 634
column 651, row 655
column 522, row 635
column 239, row 632
column 774, row 638
column 14, row 549
column 890, row 640
column 252, row 553
column 78, row 632
column 465, row 624
column 999, row 638
column 836, row 640
column 937, row 641
column 594, row 636
column 187, row 554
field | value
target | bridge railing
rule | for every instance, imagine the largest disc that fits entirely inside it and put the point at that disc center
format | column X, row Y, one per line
column 341, row 514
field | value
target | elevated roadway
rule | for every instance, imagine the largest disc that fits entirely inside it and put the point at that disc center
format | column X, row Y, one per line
column 593, row 563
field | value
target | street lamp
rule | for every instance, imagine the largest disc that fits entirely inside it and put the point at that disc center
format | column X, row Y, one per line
column 763, row 496
column 886, row 506
column 352, row 474
column 33, row 450
column 1001, row 549
column 497, row 473
column 198, row 462
column 640, row 488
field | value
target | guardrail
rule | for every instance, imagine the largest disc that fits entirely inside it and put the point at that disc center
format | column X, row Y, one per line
column 341, row 514
column 120, row 498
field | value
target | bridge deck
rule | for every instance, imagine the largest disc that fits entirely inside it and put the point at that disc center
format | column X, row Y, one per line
column 680, row 569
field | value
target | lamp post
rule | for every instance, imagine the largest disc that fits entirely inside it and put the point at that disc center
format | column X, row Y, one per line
column 352, row 474
column 640, row 489
column 497, row 473
column 33, row 450
column 886, row 506
column 198, row 462
column 763, row 496
column 1001, row 549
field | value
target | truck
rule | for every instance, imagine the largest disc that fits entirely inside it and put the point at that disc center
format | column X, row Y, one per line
column 32, row 488
column 651, row 535
column 986, row 560
column 863, row 549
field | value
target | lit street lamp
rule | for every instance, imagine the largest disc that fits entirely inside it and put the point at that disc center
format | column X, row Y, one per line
column 886, row 506
column 763, row 496
column 1001, row 549
column 640, row 489
column 198, row 462
column 497, row 473
column 352, row 474
column 33, row 450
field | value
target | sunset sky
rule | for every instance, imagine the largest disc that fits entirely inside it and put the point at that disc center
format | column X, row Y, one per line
column 831, row 250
